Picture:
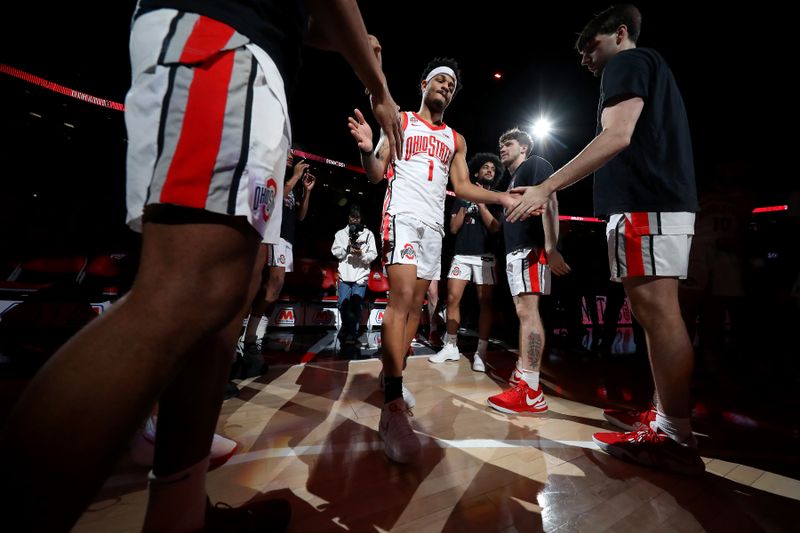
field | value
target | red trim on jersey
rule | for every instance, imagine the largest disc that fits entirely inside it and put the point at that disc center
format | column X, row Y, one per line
column 207, row 38
column 192, row 167
column 388, row 198
column 388, row 168
column 633, row 250
column 385, row 227
column 385, row 249
column 431, row 126
column 455, row 140
column 405, row 120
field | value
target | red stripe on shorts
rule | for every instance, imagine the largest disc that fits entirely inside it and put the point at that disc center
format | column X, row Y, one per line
column 192, row 167
column 533, row 271
column 639, row 221
column 207, row 38
column 633, row 249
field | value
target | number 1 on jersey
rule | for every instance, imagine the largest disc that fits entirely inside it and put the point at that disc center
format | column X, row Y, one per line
column 430, row 170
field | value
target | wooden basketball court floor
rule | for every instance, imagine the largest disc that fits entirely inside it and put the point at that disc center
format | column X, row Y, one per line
column 308, row 433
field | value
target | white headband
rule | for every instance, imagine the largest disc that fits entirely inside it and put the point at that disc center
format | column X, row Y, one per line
column 443, row 70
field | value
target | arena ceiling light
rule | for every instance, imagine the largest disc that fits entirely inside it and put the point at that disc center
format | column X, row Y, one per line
column 541, row 128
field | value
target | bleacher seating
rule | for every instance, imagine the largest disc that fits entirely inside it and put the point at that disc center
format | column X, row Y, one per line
column 376, row 300
column 38, row 273
column 98, row 279
column 103, row 275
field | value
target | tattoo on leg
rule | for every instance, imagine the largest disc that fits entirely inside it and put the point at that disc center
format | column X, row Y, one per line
column 535, row 348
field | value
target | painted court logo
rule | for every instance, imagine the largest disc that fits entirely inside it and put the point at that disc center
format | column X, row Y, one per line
column 408, row 251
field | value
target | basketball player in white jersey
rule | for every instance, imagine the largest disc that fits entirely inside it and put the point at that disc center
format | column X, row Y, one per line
column 412, row 229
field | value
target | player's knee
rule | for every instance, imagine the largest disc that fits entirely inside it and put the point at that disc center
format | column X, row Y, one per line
column 453, row 300
column 402, row 298
column 646, row 312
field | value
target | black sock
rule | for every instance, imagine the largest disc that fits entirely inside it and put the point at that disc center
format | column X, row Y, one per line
column 393, row 388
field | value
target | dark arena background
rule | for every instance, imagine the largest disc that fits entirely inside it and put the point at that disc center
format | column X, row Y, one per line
column 305, row 427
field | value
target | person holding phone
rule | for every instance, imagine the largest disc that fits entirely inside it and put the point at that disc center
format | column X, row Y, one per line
column 280, row 259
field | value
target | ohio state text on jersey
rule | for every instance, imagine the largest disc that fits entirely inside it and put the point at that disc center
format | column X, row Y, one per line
column 418, row 179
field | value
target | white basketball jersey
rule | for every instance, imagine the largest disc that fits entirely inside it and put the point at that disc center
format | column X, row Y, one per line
column 418, row 179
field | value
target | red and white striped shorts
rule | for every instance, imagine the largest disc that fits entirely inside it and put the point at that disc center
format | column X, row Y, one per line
column 207, row 121
column 408, row 241
column 528, row 271
column 649, row 244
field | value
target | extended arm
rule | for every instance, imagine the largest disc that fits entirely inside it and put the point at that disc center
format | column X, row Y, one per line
column 338, row 25
column 464, row 188
column 618, row 122
column 488, row 219
column 550, row 224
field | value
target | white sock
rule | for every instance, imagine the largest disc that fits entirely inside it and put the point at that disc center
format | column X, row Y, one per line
column 451, row 339
column 177, row 502
column 678, row 429
column 531, row 378
column 482, row 346
column 261, row 330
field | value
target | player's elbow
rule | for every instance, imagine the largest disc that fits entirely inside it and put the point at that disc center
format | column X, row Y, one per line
column 620, row 138
column 459, row 188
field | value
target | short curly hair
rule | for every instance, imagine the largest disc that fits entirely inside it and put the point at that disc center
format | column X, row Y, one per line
column 480, row 159
column 443, row 62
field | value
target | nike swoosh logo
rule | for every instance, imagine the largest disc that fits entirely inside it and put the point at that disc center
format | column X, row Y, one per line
column 533, row 401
